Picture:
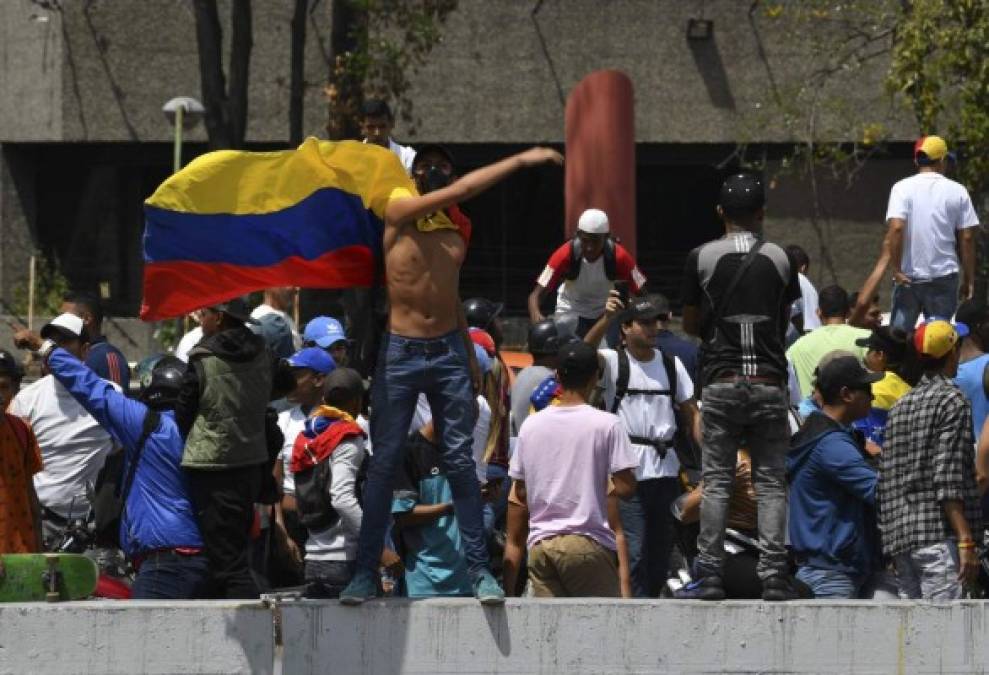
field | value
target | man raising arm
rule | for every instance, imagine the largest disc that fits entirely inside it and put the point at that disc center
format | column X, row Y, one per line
column 424, row 352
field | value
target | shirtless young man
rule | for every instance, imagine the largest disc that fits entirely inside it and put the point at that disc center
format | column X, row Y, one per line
column 425, row 351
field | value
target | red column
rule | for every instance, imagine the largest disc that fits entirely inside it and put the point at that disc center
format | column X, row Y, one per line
column 600, row 152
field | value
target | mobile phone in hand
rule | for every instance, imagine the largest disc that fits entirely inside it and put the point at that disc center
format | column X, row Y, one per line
column 622, row 288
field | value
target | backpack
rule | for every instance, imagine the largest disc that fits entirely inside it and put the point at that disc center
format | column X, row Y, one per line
column 113, row 487
column 577, row 258
column 312, row 482
column 683, row 444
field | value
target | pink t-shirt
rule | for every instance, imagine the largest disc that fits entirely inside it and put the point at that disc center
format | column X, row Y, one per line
column 565, row 455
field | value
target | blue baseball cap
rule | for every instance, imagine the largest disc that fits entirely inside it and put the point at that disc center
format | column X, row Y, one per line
column 324, row 331
column 313, row 358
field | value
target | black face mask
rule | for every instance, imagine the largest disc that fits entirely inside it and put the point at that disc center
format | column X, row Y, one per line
column 434, row 179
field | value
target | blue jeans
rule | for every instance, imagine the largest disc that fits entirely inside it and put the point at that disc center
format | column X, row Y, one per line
column 830, row 583
column 753, row 416
column 167, row 575
column 439, row 368
column 937, row 299
column 327, row 578
column 648, row 524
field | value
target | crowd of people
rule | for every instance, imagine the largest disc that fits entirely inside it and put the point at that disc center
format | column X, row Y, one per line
column 792, row 444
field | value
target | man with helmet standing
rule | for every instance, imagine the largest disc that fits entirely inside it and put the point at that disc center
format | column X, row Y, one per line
column 158, row 529
column 585, row 269
column 544, row 343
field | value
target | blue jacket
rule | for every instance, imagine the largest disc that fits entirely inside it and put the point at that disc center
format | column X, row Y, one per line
column 159, row 513
column 832, row 498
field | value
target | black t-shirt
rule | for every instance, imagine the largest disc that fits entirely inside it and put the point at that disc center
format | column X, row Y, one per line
column 750, row 339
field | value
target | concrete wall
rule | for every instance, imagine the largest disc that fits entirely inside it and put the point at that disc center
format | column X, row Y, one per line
column 593, row 637
column 100, row 70
column 525, row 637
column 136, row 637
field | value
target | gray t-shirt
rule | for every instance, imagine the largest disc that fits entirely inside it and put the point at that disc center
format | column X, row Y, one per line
column 525, row 383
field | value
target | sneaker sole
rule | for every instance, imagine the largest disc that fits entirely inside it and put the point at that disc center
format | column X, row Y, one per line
column 352, row 601
column 491, row 600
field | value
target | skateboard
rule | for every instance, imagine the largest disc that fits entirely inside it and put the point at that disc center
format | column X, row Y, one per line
column 52, row 577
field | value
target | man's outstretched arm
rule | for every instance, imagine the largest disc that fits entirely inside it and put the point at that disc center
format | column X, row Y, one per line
column 402, row 211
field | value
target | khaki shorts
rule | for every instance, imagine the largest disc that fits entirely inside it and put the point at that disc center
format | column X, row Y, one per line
column 573, row 566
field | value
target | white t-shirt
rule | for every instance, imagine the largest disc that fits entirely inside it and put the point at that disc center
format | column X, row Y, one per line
column 424, row 414
column 188, row 341
column 73, row 445
column 648, row 416
column 934, row 208
column 291, row 422
column 807, row 304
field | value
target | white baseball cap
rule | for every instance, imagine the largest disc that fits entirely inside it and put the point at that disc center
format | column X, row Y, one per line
column 68, row 323
column 593, row 221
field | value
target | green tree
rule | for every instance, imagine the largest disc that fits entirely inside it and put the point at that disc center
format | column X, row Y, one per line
column 376, row 45
column 940, row 67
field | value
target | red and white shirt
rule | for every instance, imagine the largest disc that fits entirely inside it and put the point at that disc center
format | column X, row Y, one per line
column 587, row 295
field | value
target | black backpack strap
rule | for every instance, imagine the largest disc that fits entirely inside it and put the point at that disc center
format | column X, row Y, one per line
column 985, row 380
column 621, row 382
column 747, row 261
column 576, row 254
column 610, row 258
column 151, row 421
column 669, row 363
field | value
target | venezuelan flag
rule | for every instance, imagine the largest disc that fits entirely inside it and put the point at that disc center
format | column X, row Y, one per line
column 232, row 222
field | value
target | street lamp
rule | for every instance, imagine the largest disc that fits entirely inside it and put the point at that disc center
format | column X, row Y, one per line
column 183, row 113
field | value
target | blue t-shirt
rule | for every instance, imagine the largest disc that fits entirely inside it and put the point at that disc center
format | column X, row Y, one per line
column 108, row 362
column 969, row 380
column 435, row 562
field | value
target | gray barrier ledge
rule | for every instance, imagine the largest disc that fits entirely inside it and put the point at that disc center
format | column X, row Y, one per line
column 109, row 637
column 605, row 636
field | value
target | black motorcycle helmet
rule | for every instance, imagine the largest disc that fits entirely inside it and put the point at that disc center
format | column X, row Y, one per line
column 162, row 389
column 481, row 312
column 544, row 338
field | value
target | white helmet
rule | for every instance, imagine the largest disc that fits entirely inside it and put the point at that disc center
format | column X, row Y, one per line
column 593, row 221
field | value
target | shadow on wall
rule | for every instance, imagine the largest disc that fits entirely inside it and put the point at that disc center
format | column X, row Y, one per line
column 707, row 58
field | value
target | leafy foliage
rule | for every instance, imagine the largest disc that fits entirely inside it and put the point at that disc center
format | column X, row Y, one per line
column 50, row 287
column 941, row 65
column 389, row 40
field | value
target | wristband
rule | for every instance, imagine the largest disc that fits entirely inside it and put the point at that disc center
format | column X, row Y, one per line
column 46, row 348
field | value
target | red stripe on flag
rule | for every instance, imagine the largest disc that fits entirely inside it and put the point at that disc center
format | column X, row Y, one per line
column 175, row 288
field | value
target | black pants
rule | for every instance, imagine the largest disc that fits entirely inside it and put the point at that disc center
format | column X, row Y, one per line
column 224, row 502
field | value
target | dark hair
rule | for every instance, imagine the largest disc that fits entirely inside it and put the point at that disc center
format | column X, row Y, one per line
column 833, row 301
column 342, row 386
column 90, row 301
column 798, row 255
column 375, row 107
column 577, row 364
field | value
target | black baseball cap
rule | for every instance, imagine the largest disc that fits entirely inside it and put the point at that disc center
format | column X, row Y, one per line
column 890, row 341
column 433, row 147
column 643, row 309
column 577, row 360
column 9, row 366
column 742, row 193
column 844, row 371
column 972, row 313
column 236, row 308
